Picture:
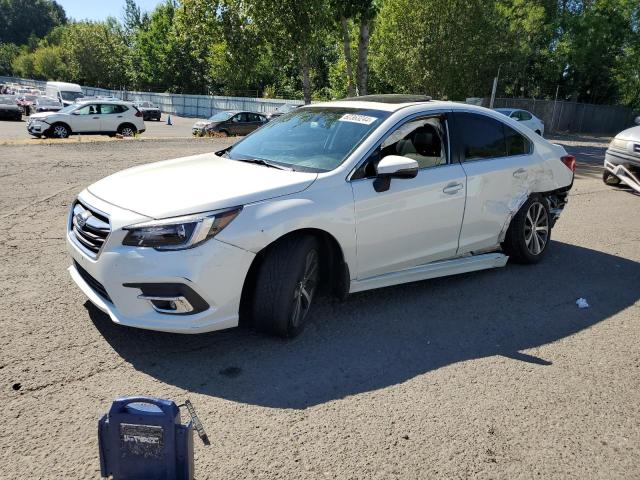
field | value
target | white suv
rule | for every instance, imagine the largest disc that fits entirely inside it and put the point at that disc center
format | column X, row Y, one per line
column 97, row 117
column 348, row 195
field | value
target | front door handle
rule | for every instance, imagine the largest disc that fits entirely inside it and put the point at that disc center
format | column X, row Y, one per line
column 96, row 118
column 452, row 188
column 520, row 173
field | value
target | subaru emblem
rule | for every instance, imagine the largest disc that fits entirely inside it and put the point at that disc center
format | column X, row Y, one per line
column 82, row 217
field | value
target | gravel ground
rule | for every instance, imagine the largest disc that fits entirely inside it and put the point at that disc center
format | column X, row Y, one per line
column 488, row 375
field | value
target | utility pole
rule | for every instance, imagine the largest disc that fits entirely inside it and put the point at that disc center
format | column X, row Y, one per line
column 495, row 87
column 553, row 115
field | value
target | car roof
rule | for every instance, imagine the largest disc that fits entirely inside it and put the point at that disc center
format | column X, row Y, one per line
column 388, row 103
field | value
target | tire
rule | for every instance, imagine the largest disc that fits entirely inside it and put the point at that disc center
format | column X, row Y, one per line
column 127, row 130
column 59, row 130
column 610, row 179
column 522, row 243
column 286, row 283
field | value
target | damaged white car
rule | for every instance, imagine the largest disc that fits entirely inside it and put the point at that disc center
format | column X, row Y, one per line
column 622, row 160
column 348, row 196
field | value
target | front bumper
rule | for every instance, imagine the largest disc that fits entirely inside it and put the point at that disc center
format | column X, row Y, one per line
column 624, row 165
column 37, row 129
column 215, row 271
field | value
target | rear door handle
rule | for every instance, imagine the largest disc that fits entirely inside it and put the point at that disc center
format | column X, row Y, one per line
column 452, row 188
column 119, row 116
column 96, row 118
column 519, row 173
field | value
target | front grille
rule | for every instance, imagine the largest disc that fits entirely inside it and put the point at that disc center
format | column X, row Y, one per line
column 95, row 285
column 89, row 227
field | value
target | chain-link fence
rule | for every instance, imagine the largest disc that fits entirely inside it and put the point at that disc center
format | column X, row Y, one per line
column 178, row 104
column 561, row 116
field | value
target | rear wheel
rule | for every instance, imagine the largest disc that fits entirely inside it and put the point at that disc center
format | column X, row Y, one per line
column 127, row 130
column 286, row 284
column 529, row 233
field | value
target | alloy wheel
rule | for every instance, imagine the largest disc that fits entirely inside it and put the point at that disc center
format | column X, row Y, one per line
column 305, row 289
column 60, row 132
column 536, row 228
column 127, row 132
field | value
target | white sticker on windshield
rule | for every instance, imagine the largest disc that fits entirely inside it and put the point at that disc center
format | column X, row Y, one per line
column 363, row 119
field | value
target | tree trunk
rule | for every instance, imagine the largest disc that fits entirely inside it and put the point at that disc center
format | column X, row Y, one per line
column 306, row 79
column 346, row 42
column 363, row 52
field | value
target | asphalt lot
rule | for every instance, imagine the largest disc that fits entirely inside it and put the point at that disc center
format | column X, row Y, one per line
column 181, row 127
column 494, row 374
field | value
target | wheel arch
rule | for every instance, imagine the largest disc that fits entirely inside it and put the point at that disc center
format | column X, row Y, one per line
column 335, row 276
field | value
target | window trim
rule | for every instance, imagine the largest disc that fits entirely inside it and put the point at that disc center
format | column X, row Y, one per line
column 393, row 128
column 459, row 146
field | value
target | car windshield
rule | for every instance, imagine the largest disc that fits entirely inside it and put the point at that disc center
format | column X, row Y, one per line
column 313, row 139
column 504, row 111
column 71, row 96
column 221, row 116
column 68, row 109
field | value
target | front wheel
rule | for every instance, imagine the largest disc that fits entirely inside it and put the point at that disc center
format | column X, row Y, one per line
column 286, row 284
column 610, row 179
column 529, row 233
column 60, row 130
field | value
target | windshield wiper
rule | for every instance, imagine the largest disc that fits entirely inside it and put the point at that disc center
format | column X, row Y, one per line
column 266, row 163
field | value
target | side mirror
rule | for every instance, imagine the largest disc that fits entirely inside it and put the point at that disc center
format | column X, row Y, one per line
column 394, row 166
column 637, row 120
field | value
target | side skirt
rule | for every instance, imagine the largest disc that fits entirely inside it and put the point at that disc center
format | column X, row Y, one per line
column 431, row 270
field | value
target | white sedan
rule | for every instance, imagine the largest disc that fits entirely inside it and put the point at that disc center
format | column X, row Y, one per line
column 346, row 196
column 526, row 118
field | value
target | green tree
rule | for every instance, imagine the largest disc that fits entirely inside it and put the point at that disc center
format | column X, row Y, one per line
column 444, row 48
column 297, row 29
column 8, row 53
column 21, row 19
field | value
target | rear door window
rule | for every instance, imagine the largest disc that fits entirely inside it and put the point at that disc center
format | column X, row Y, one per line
column 480, row 137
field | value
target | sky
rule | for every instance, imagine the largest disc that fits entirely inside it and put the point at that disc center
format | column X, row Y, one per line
column 101, row 9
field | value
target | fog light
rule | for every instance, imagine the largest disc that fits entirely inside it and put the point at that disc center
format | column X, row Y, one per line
column 170, row 305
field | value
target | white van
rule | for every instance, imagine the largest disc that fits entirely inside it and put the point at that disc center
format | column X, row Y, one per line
column 67, row 93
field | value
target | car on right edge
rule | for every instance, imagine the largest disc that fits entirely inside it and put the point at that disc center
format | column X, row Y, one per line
column 622, row 159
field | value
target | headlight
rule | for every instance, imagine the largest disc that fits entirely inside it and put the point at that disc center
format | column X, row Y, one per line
column 619, row 143
column 179, row 233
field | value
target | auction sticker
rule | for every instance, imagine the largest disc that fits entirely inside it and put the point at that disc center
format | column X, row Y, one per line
column 363, row 119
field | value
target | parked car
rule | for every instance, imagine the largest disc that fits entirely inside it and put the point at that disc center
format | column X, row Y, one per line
column 149, row 110
column 622, row 159
column 45, row 104
column 345, row 195
column 25, row 102
column 66, row 93
column 526, row 118
column 281, row 110
column 94, row 117
column 232, row 122
column 9, row 107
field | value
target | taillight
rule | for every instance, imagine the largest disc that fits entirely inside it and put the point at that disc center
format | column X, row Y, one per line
column 569, row 161
column 139, row 113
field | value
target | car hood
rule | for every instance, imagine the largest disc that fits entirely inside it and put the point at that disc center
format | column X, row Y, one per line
column 632, row 133
column 201, row 124
column 40, row 116
column 196, row 184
